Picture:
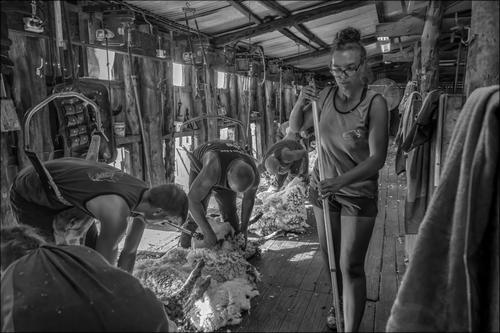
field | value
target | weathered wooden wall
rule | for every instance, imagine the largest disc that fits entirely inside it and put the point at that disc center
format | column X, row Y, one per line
column 27, row 89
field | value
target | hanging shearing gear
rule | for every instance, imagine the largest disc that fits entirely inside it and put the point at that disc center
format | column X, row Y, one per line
column 49, row 185
column 77, row 122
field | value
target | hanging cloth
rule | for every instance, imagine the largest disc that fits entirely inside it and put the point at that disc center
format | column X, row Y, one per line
column 411, row 107
column 417, row 144
column 451, row 283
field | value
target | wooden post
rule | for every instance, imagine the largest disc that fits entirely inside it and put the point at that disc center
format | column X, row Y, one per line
column 132, row 122
column 261, row 107
column 209, row 87
column 169, row 113
column 483, row 54
column 430, row 47
column 233, row 95
column 28, row 89
column 415, row 66
column 243, row 96
column 150, row 73
column 269, row 114
column 198, row 102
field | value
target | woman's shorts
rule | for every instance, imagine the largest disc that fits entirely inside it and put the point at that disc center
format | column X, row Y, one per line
column 347, row 205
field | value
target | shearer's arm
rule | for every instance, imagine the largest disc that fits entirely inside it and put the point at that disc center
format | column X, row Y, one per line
column 200, row 188
column 247, row 205
column 112, row 211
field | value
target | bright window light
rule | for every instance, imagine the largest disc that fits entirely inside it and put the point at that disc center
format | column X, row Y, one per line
column 98, row 68
column 221, row 80
column 178, row 71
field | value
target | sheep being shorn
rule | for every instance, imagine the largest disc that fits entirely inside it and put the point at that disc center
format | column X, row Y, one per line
column 204, row 289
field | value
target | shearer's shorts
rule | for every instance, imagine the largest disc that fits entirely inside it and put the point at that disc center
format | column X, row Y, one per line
column 346, row 205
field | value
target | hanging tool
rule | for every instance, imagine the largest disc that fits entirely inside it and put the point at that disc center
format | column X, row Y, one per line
column 33, row 23
column 328, row 226
column 196, row 235
column 141, row 216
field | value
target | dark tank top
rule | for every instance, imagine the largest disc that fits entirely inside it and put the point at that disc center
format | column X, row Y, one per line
column 227, row 153
column 78, row 180
column 344, row 141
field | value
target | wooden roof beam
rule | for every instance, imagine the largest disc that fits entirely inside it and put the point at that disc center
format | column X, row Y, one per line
column 247, row 12
column 291, row 20
column 282, row 11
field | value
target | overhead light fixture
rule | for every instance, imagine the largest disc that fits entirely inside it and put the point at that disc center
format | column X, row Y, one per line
column 385, row 44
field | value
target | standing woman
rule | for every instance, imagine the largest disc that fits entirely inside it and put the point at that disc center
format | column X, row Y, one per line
column 354, row 137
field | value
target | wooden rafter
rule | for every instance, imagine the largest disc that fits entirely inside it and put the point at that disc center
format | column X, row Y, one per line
column 291, row 20
column 202, row 14
column 284, row 12
column 251, row 15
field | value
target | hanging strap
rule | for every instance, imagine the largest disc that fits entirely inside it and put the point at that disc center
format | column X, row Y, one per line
column 48, row 183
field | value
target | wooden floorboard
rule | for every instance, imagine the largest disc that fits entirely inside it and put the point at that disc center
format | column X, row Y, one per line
column 368, row 321
column 314, row 319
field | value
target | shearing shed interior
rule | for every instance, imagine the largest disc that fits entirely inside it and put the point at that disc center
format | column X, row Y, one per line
column 250, row 166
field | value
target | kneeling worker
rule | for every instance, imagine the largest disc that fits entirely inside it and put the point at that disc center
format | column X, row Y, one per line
column 102, row 192
column 225, row 170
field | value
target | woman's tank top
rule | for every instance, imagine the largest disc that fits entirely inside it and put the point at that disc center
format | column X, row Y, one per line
column 344, row 142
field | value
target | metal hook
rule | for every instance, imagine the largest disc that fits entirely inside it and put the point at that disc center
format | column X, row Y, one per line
column 469, row 37
column 39, row 70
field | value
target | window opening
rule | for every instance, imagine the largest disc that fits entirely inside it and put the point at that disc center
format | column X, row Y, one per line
column 97, row 63
column 221, row 80
column 178, row 75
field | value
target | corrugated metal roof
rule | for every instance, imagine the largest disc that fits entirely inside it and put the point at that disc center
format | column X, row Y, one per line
column 216, row 18
column 364, row 19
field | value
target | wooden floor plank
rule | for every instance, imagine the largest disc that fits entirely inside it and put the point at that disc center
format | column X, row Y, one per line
column 301, row 264
column 296, row 312
column 373, row 259
column 284, row 302
column 314, row 319
column 368, row 321
column 388, row 285
column 269, row 265
column 310, row 280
